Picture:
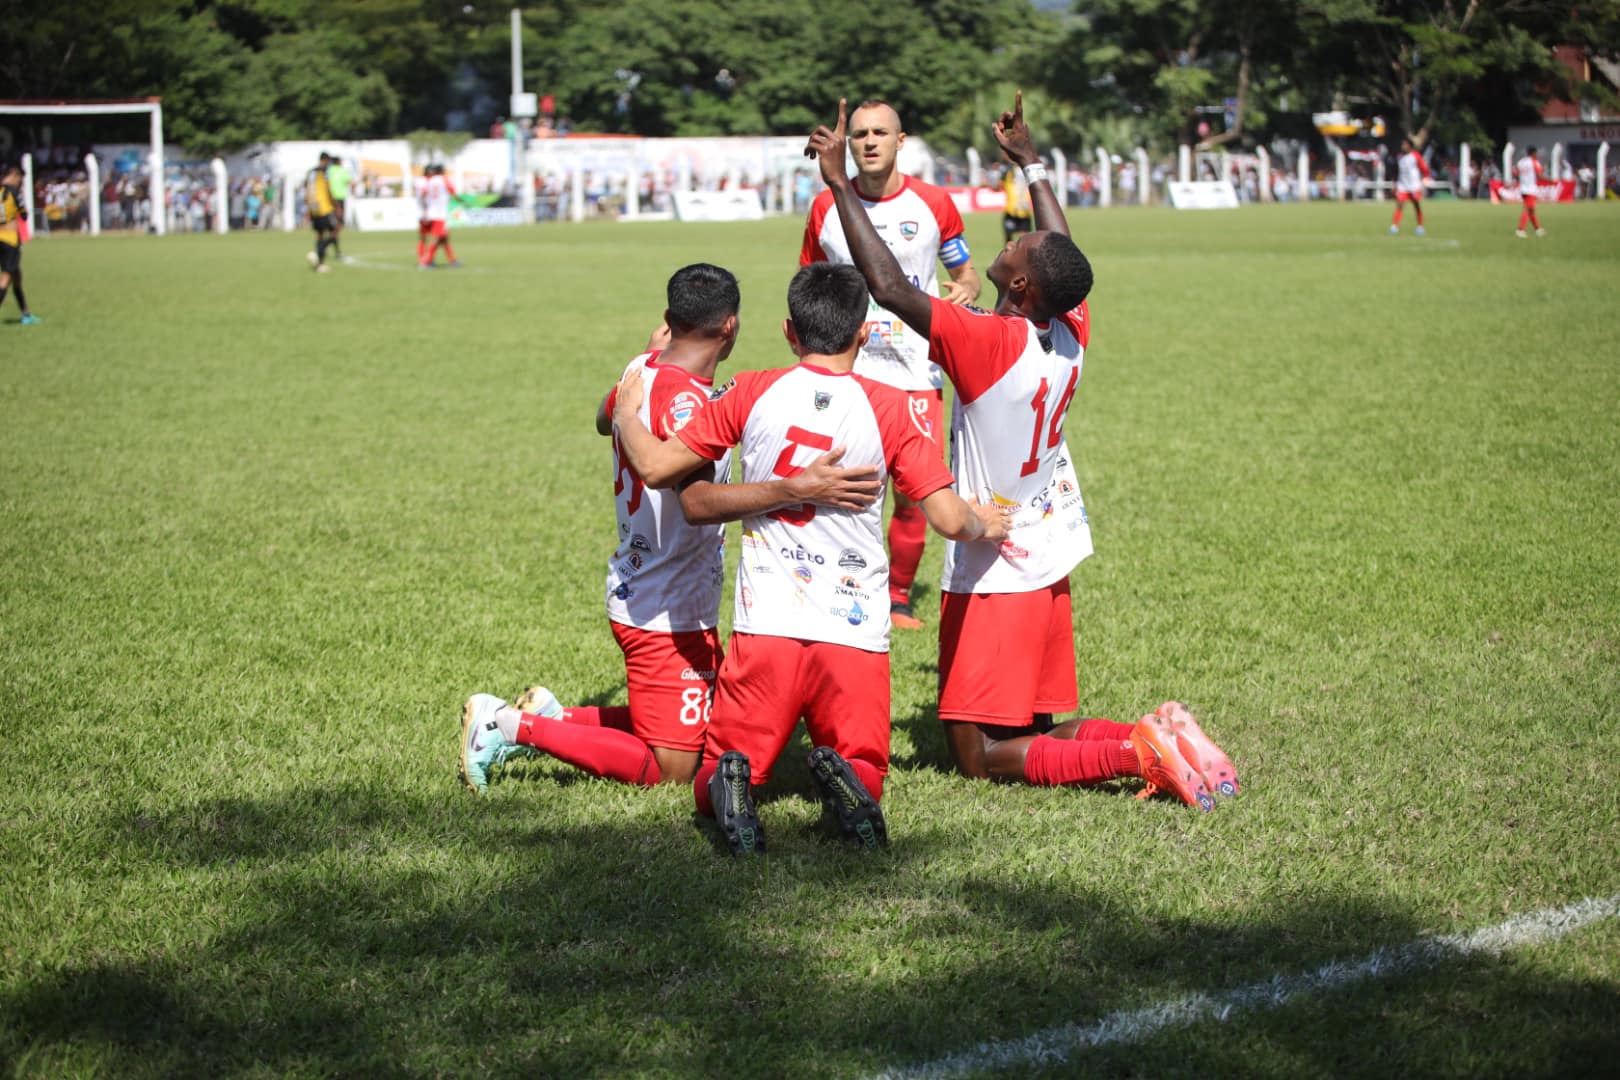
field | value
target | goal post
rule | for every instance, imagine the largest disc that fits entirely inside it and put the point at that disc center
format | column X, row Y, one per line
column 153, row 107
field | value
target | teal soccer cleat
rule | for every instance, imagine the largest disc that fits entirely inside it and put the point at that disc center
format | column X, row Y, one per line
column 482, row 744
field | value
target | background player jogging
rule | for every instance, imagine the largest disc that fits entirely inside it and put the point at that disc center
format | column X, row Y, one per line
column 1006, row 641
column 1411, row 180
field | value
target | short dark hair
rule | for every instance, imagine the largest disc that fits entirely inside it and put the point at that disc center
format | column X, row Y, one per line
column 1531, row 150
column 827, row 304
column 1062, row 271
column 702, row 297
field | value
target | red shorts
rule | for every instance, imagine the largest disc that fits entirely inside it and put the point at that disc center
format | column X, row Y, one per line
column 436, row 229
column 1003, row 657
column 1409, row 196
column 768, row 683
column 1529, row 201
column 928, row 414
column 671, row 683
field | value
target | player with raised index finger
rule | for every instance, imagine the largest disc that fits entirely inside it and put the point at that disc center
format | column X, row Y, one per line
column 1006, row 645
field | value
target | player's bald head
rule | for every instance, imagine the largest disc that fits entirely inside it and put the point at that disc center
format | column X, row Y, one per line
column 877, row 112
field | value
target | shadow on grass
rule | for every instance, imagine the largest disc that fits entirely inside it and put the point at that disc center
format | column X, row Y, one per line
column 376, row 933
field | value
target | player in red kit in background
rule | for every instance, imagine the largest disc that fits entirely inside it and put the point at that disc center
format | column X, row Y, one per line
column 810, row 631
column 433, row 230
column 663, row 582
column 1530, row 175
column 921, row 225
column 1006, row 645
column 1411, row 178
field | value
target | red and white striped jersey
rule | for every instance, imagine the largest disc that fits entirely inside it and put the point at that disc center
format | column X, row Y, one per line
column 1411, row 171
column 1014, row 381
column 809, row 572
column 1529, row 170
column 666, row 574
column 920, row 224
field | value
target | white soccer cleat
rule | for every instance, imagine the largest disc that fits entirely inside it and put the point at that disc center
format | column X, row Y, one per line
column 1541, row 232
column 1394, row 230
column 312, row 258
column 1520, row 233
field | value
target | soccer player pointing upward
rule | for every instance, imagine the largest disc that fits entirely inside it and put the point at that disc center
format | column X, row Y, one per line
column 1006, row 642
column 919, row 223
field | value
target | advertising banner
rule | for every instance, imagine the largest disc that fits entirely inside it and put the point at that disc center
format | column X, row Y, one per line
column 1557, row 191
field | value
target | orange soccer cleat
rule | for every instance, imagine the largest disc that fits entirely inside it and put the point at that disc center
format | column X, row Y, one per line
column 1200, row 750
column 1164, row 767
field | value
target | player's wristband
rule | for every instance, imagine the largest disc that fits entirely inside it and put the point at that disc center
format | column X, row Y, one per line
column 1035, row 172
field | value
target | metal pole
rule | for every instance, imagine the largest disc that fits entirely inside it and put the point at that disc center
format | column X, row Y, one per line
column 1265, row 173
column 1602, row 169
column 517, row 51
column 1184, row 163
column 1304, row 164
column 1338, row 173
column 1060, row 177
column 1507, row 165
column 1144, row 182
column 1105, row 178
column 1464, row 186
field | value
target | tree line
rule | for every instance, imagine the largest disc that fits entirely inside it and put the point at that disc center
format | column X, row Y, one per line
column 1114, row 72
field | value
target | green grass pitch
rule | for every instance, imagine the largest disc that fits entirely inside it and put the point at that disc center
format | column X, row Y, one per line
column 1355, row 498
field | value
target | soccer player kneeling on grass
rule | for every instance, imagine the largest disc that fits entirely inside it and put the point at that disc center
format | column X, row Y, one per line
column 663, row 581
column 811, row 626
column 1006, row 641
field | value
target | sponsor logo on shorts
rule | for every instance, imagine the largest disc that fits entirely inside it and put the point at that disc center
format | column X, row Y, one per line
column 854, row 614
column 703, row 675
column 804, row 555
column 850, row 559
column 803, row 574
column 823, row 399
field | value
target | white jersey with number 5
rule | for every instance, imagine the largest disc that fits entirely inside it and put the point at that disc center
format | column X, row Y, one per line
column 809, row 572
column 666, row 574
column 1014, row 381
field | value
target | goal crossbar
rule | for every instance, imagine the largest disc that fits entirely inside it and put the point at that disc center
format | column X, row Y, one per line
column 153, row 107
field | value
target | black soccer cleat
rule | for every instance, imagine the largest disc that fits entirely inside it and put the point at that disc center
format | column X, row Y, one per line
column 730, row 791
column 846, row 806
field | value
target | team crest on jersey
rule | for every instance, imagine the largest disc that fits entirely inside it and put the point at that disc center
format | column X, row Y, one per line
column 919, row 418
column 908, row 230
column 682, row 407
column 823, row 399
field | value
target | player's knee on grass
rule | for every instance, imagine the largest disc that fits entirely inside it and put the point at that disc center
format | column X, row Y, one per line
column 982, row 752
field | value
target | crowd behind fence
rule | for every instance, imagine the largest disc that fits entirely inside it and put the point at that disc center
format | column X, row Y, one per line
column 260, row 200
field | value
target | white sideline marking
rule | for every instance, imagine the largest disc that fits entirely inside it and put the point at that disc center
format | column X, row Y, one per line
column 1055, row 1045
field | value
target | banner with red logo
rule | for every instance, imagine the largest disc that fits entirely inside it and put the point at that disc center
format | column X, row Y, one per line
column 976, row 199
column 1557, row 191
